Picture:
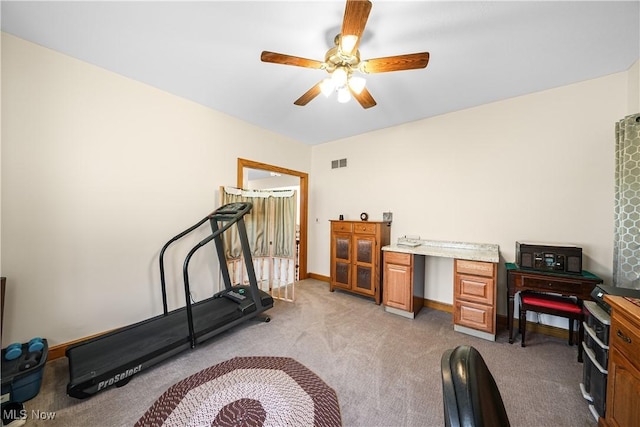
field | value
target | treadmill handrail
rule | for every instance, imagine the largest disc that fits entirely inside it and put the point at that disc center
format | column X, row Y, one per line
column 230, row 216
column 161, row 260
column 230, row 212
column 248, row 264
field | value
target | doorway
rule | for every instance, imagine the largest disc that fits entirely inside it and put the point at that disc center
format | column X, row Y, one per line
column 242, row 176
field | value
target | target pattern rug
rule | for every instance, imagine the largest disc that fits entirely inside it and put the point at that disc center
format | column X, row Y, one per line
column 247, row 391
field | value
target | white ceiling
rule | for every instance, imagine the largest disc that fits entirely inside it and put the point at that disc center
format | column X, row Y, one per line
column 209, row 52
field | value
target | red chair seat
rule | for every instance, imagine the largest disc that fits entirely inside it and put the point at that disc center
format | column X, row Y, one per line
column 549, row 303
column 554, row 305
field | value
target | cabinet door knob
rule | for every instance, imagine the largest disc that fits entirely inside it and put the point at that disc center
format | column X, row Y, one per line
column 624, row 337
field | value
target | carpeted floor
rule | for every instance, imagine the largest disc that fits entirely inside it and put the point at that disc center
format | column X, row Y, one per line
column 384, row 368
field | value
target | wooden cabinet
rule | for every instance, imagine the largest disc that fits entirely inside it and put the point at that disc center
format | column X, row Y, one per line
column 356, row 256
column 474, row 298
column 623, row 379
column 403, row 288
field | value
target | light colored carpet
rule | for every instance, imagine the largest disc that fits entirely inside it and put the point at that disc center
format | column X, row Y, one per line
column 384, row 368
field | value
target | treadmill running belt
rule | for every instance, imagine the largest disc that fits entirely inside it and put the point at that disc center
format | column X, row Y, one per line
column 124, row 346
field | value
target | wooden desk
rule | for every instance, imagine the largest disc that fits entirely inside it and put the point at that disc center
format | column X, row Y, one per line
column 520, row 279
column 474, row 276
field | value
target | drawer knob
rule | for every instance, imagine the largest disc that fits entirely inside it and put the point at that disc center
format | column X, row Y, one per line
column 624, row 337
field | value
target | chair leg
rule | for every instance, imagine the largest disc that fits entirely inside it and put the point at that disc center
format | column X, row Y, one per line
column 570, row 331
column 523, row 326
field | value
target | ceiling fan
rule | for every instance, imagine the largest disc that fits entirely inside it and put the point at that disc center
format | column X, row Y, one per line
column 343, row 60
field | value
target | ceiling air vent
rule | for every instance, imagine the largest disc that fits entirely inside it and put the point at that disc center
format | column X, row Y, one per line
column 335, row 164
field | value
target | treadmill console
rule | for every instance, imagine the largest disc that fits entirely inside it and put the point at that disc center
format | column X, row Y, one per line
column 236, row 296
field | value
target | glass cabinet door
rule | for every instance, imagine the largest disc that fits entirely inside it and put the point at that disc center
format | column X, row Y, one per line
column 363, row 268
column 341, row 268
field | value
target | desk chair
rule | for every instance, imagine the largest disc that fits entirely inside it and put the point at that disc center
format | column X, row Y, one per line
column 554, row 305
column 470, row 394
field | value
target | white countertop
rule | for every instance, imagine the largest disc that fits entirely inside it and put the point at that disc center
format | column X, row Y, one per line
column 486, row 252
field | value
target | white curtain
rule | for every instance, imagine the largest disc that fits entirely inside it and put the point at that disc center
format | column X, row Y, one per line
column 626, row 248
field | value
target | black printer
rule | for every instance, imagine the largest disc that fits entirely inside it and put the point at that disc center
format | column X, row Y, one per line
column 600, row 291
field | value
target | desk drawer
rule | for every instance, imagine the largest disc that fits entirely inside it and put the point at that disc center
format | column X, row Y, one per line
column 364, row 228
column 625, row 338
column 397, row 258
column 346, row 227
column 476, row 316
column 477, row 268
column 474, row 288
column 568, row 287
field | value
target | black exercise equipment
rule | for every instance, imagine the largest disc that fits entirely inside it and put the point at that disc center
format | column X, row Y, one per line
column 113, row 358
column 470, row 394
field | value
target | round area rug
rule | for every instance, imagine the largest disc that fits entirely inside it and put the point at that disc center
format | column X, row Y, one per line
column 247, row 391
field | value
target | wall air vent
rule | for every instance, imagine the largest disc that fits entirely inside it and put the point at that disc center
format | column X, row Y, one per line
column 335, row 164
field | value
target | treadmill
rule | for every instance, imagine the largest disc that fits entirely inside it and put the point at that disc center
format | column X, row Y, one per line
column 114, row 358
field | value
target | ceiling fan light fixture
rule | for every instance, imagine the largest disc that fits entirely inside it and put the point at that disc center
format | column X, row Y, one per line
column 357, row 84
column 347, row 43
column 343, row 59
column 343, row 95
column 327, row 86
column 339, row 76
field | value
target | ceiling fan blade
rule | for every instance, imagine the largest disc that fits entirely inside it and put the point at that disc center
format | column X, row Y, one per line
column 308, row 95
column 356, row 13
column 410, row 61
column 364, row 98
column 281, row 58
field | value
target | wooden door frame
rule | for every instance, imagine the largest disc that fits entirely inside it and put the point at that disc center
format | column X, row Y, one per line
column 304, row 203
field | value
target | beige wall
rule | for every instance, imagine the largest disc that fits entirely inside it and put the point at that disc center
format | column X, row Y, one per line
column 283, row 181
column 538, row 167
column 98, row 172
